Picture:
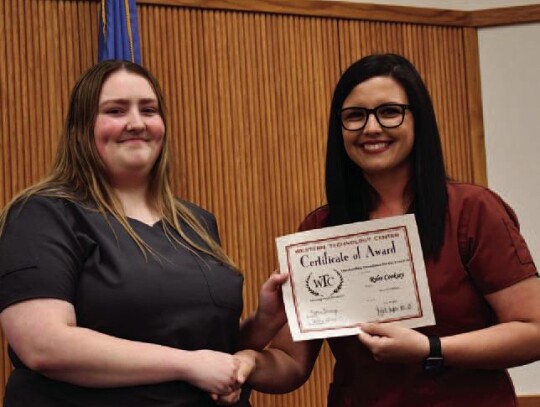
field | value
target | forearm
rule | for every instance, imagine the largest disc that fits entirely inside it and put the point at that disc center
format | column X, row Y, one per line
column 256, row 331
column 501, row 346
column 89, row 358
column 276, row 372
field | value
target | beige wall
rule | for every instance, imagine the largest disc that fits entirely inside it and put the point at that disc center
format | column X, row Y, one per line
column 509, row 67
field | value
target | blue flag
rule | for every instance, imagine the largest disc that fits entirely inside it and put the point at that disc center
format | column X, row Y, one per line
column 119, row 31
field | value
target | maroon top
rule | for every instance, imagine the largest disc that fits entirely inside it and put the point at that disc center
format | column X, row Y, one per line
column 483, row 252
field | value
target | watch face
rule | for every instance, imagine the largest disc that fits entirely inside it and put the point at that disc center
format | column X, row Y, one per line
column 433, row 364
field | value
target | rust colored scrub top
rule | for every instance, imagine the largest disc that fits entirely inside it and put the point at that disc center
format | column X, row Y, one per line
column 483, row 252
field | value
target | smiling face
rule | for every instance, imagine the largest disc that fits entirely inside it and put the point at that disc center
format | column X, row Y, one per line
column 129, row 129
column 380, row 151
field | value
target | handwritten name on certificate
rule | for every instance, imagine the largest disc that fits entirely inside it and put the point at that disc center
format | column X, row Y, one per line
column 340, row 276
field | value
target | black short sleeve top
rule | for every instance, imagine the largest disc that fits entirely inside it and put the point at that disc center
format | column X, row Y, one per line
column 183, row 298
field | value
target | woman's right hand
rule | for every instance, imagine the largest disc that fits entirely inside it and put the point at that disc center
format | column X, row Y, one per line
column 214, row 372
column 246, row 359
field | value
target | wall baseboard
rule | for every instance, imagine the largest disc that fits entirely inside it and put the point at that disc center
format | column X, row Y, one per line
column 529, row 401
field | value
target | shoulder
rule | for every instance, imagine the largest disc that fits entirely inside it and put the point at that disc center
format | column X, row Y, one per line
column 464, row 190
column 205, row 218
column 44, row 209
column 198, row 211
column 315, row 219
column 476, row 198
column 35, row 207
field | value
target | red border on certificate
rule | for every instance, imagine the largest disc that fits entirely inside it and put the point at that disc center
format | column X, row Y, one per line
column 317, row 241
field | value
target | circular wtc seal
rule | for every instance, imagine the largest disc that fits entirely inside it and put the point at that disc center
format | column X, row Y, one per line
column 324, row 283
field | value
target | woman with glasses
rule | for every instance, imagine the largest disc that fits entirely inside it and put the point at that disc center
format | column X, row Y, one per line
column 384, row 158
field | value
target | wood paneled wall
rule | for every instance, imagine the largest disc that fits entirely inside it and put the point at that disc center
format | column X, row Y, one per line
column 248, row 95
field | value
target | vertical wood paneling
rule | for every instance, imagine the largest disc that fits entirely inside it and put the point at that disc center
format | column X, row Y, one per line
column 34, row 115
column 248, row 112
column 4, row 109
column 5, row 171
column 45, row 45
column 248, row 97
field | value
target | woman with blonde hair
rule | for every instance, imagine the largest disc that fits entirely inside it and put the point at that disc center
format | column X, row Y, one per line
column 112, row 291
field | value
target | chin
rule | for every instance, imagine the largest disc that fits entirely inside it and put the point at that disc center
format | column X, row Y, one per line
column 375, row 168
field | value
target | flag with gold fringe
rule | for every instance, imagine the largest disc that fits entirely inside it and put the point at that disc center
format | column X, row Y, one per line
column 119, row 31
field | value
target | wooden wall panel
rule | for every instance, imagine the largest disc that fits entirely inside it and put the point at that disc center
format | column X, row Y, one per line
column 371, row 12
column 500, row 16
column 248, row 96
column 44, row 46
column 252, row 140
column 529, row 401
column 474, row 103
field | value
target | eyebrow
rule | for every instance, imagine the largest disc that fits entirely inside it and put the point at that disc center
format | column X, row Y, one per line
column 128, row 101
column 383, row 104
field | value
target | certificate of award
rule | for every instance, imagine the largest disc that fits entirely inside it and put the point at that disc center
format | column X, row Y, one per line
column 340, row 276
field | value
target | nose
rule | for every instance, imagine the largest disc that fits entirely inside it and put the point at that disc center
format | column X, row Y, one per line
column 135, row 121
column 372, row 125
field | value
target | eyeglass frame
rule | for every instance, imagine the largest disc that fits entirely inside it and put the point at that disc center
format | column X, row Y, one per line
column 373, row 112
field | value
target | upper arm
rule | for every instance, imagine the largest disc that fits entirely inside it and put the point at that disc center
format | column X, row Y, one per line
column 40, row 259
column 493, row 250
column 498, row 259
column 519, row 302
column 30, row 327
column 40, row 256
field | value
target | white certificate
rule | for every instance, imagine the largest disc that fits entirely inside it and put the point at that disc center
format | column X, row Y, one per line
column 340, row 276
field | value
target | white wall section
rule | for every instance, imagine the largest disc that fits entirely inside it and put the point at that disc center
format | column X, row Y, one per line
column 510, row 74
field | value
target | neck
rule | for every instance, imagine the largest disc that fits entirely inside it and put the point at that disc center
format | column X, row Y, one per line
column 393, row 192
column 135, row 201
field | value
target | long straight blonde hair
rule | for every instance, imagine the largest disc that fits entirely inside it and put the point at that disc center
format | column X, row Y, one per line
column 78, row 173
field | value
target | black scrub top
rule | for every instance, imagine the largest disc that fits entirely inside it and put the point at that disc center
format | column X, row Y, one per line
column 54, row 248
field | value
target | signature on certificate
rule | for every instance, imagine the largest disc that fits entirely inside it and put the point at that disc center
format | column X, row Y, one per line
column 392, row 309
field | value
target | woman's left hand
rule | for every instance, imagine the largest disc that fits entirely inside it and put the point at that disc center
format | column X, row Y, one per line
column 394, row 344
column 271, row 309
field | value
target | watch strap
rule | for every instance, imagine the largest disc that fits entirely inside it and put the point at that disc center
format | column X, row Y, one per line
column 435, row 350
column 434, row 363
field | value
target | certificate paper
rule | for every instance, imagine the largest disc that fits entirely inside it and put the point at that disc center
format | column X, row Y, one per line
column 340, row 276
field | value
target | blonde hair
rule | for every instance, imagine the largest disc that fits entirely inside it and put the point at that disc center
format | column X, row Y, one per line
column 78, row 172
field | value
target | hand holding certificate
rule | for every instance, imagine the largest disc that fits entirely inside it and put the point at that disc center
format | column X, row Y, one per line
column 362, row 272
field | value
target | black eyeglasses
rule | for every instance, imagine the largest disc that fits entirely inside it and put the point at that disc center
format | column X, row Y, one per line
column 388, row 115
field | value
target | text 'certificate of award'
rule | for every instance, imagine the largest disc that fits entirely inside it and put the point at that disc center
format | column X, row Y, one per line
column 340, row 276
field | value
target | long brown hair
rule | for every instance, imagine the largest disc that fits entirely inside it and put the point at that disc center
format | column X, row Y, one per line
column 349, row 195
column 78, row 173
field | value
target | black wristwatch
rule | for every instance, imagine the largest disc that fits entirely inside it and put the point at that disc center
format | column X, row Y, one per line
column 434, row 363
